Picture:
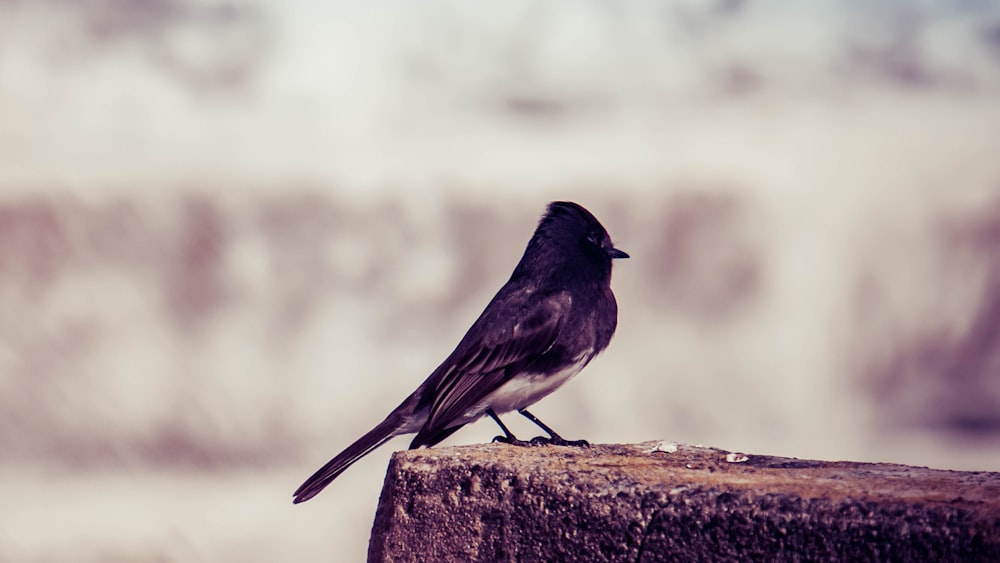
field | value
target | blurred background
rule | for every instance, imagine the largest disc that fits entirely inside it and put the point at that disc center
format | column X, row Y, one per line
column 235, row 234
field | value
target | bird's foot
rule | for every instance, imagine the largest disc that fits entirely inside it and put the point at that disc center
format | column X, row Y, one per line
column 513, row 441
column 558, row 441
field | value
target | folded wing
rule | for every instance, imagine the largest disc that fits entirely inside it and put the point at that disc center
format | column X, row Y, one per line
column 520, row 331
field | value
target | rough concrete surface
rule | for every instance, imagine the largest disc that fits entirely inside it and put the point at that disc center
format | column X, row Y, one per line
column 658, row 501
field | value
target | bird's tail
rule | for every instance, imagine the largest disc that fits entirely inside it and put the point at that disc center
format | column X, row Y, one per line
column 374, row 438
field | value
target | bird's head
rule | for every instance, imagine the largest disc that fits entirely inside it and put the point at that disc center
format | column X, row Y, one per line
column 569, row 240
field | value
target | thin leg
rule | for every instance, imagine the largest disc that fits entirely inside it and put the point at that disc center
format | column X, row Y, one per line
column 554, row 438
column 508, row 437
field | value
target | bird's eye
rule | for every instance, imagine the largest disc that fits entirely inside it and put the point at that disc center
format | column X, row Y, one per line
column 594, row 238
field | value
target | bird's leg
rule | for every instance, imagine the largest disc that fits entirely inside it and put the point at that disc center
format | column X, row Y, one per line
column 554, row 439
column 508, row 437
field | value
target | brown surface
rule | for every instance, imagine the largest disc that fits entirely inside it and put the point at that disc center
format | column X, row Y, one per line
column 638, row 503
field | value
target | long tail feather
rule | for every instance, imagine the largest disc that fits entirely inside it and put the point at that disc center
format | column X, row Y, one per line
column 333, row 468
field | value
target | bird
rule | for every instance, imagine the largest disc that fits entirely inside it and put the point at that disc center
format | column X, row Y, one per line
column 549, row 320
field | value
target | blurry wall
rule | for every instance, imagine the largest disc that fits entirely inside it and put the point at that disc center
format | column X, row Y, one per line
column 233, row 235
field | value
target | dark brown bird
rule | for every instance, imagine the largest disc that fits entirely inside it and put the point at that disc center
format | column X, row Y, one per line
column 554, row 314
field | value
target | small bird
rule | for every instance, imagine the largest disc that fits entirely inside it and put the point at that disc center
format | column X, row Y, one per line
column 554, row 314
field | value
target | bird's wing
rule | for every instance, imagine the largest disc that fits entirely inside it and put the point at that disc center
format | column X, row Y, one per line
column 511, row 332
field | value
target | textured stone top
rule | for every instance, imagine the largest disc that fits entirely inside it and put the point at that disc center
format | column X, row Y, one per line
column 659, row 501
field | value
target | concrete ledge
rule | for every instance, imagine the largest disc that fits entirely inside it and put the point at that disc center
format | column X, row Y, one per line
column 661, row 502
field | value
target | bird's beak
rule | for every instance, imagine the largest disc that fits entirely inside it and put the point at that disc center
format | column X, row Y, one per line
column 615, row 253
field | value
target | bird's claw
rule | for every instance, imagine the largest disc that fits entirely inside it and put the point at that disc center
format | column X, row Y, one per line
column 558, row 441
column 542, row 441
column 511, row 441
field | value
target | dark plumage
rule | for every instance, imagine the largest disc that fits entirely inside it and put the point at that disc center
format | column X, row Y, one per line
column 554, row 314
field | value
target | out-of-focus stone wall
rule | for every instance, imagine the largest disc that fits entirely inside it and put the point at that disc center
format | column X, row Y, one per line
column 234, row 234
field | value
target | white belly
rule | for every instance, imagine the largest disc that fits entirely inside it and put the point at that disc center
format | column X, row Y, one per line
column 525, row 390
